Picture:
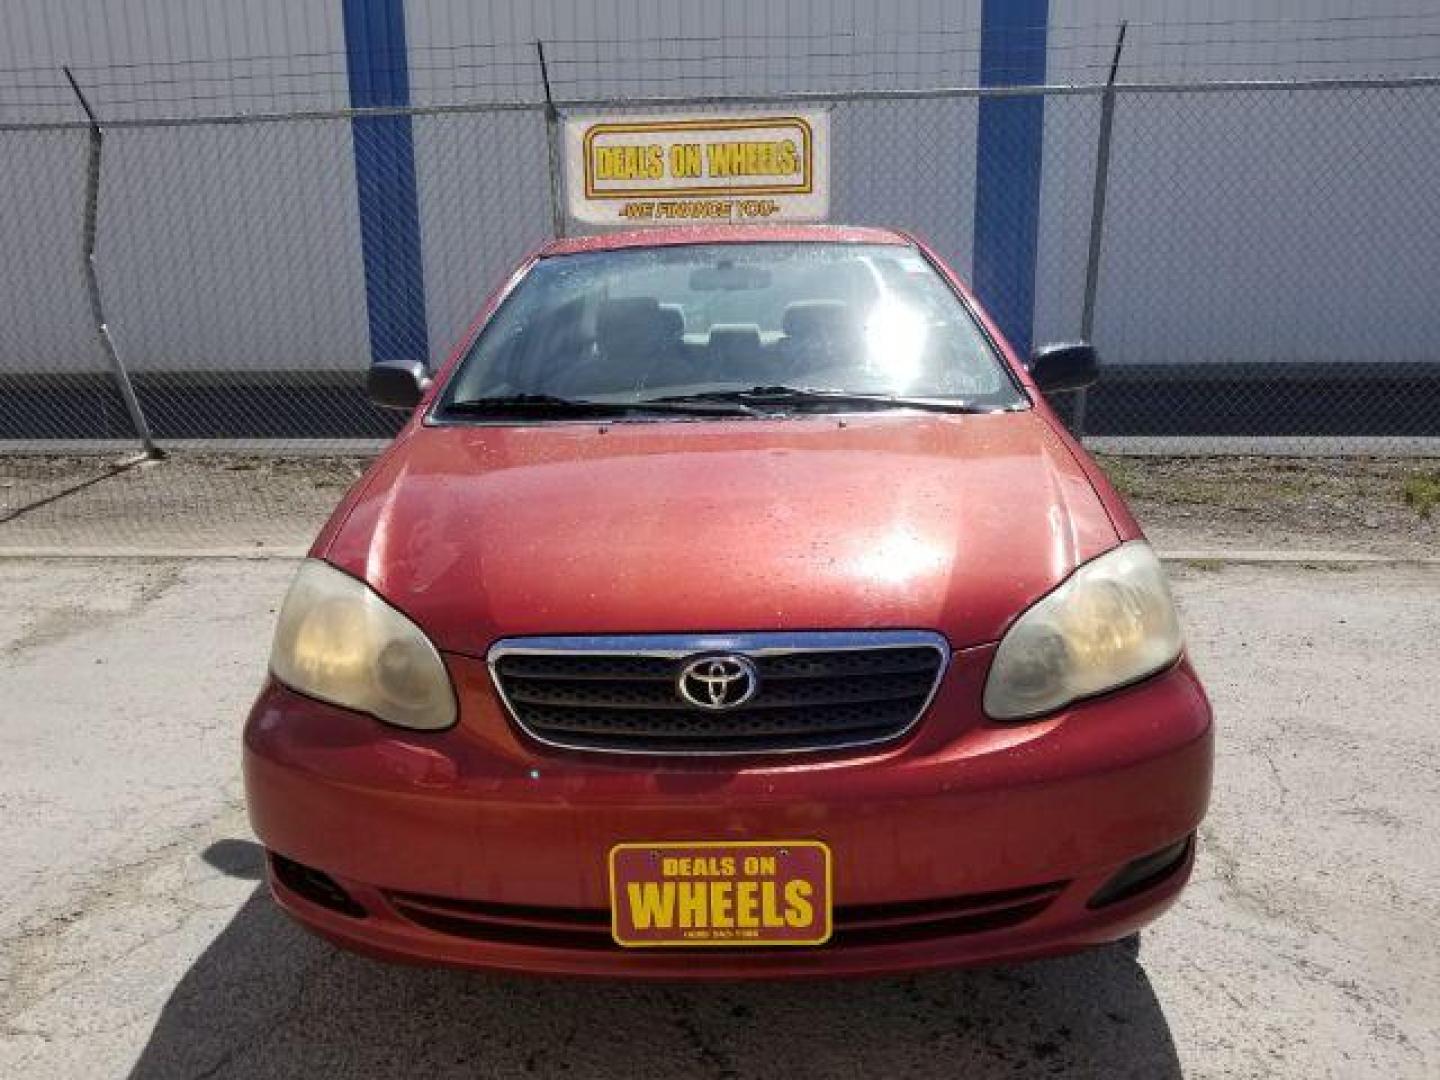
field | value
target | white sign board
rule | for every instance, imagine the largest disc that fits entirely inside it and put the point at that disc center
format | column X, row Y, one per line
column 621, row 172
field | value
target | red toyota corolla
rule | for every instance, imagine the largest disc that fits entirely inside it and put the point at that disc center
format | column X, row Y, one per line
column 732, row 604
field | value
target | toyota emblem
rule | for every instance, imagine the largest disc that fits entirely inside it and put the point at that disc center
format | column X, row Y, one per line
column 718, row 682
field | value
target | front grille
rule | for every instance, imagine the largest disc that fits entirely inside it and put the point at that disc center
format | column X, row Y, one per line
column 868, row 925
column 806, row 691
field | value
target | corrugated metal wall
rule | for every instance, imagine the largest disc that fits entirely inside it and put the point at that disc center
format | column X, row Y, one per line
column 1249, row 226
column 222, row 248
column 239, row 247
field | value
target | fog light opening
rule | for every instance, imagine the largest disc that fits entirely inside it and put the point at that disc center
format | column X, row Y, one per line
column 314, row 885
column 1142, row 874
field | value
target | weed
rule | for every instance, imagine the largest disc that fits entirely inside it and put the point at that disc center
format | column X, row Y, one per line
column 1423, row 493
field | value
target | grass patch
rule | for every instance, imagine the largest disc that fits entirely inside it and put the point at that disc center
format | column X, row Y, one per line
column 1423, row 493
column 1124, row 473
column 1208, row 566
column 1255, row 490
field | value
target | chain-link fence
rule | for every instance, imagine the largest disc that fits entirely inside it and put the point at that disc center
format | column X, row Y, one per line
column 1264, row 269
column 232, row 268
column 1260, row 279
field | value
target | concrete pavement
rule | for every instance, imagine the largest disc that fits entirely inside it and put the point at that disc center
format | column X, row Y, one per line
column 135, row 939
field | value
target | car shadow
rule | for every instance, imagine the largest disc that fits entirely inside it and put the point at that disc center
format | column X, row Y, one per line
column 268, row 999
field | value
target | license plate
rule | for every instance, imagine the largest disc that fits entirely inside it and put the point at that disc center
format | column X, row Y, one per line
column 703, row 893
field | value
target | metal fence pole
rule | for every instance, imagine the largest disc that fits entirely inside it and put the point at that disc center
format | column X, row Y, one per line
column 92, row 278
column 552, row 147
column 1097, row 216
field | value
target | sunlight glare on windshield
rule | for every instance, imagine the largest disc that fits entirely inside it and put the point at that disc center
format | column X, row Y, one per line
column 895, row 336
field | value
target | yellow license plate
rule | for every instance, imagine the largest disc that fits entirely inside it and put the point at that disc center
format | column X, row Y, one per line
column 703, row 893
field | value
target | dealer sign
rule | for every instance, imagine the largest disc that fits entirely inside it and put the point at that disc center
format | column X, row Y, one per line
column 772, row 892
column 671, row 170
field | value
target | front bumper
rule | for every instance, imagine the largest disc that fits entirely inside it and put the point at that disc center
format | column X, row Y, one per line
column 968, row 842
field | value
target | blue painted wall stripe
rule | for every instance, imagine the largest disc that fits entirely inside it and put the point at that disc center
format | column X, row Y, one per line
column 379, row 75
column 1013, row 41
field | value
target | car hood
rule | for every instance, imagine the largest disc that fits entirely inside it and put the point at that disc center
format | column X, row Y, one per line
column 943, row 522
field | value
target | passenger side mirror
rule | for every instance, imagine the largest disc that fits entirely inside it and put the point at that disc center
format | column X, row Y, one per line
column 1059, row 369
column 397, row 384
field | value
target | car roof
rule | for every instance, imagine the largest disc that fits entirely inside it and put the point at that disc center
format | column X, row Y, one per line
column 725, row 234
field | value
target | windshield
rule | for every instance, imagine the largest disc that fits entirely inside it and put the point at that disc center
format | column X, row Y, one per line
column 665, row 322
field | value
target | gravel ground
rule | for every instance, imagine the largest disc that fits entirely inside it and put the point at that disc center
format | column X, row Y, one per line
column 192, row 502
column 134, row 939
column 1284, row 504
column 208, row 502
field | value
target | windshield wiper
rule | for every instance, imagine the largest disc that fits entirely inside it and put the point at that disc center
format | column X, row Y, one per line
column 812, row 395
column 546, row 405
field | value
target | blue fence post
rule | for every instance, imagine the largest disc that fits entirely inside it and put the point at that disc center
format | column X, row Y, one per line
column 1013, row 40
column 379, row 76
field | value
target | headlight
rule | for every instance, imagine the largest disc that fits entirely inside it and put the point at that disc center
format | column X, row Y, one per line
column 339, row 642
column 1112, row 622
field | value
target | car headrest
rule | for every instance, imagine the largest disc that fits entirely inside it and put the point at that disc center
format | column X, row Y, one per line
column 735, row 337
column 674, row 316
column 807, row 319
column 635, row 322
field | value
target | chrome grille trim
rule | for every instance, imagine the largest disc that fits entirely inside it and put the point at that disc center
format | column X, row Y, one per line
column 675, row 647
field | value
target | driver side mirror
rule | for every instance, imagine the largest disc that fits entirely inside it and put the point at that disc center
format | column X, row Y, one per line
column 397, row 384
column 1062, row 368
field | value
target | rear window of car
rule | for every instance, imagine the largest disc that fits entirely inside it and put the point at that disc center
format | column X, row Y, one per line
column 642, row 322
